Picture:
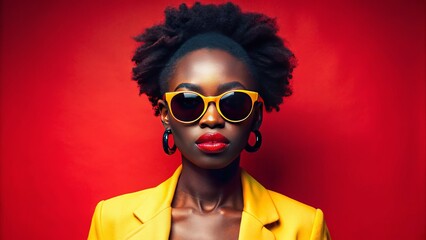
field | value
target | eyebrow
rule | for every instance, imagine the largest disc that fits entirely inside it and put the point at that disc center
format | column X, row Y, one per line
column 222, row 88
column 229, row 86
column 189, row 86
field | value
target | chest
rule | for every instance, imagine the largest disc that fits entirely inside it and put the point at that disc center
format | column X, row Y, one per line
column 188, row 224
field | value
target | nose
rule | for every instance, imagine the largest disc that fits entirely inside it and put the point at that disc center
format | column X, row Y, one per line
column 212, row 118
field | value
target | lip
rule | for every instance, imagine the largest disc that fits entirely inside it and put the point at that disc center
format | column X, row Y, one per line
column 212, row 143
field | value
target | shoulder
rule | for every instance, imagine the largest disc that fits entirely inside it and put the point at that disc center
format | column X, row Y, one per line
column 116, row 217
column 120, row 209
column 155, row 198
column 128, row 200
column 284, row 216
column 287, row 206
column 113, row 218
column 304, row 220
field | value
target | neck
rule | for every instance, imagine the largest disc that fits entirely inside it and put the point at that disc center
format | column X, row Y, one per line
column 209, row 189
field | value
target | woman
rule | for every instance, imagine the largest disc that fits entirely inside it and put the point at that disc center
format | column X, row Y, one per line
column 208, row 71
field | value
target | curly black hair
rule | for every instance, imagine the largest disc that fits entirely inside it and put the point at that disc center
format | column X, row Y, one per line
column 255, row 32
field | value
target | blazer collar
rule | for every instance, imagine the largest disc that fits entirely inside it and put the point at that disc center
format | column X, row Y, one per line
column 259, row 210
column 155, row 211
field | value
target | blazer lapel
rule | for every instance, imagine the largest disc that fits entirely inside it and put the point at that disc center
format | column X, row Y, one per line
column 156, row 228
column 155, row 212
column 259, row 210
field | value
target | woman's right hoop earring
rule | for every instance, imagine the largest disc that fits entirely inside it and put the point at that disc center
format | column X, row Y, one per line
column 257, row 144
column 166, row 147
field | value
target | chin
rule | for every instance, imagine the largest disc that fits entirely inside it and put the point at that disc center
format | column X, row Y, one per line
column 212, row 161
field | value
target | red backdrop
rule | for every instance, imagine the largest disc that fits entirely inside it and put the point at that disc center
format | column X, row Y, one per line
column 351, row 140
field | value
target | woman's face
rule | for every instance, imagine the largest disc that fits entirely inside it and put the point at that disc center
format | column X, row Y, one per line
column 211, row 142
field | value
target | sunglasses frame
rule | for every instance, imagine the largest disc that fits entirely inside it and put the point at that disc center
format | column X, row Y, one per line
column 254, row 96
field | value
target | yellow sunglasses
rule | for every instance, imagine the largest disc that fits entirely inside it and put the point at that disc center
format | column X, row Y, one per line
column 188, row 106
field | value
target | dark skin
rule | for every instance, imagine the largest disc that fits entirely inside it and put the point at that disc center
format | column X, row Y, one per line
column 208, row 200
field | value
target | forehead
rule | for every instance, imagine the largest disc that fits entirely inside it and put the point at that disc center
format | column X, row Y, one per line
column 209, row 69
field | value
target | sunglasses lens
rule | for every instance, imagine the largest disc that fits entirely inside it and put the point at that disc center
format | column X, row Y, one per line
column 235, row 105
column 187, row 106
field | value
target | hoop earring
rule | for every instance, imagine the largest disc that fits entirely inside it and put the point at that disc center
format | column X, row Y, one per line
column 166, row 147
column 257, row 144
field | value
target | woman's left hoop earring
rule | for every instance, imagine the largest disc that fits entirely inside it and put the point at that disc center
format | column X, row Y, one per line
column 257, row 144
column 166, row 147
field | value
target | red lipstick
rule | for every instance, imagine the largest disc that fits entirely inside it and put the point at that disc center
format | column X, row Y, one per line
column 212, row 143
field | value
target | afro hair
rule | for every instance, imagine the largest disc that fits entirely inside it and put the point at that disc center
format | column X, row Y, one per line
column 255, row 32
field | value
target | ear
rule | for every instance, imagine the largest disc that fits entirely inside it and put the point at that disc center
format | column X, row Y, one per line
column 258, row 115
column 164, row 113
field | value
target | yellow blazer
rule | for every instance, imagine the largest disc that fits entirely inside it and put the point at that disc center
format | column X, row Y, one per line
column 266, row 215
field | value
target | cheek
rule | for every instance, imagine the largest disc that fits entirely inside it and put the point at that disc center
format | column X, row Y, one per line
column 240, row 133
column 183, row 134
